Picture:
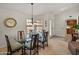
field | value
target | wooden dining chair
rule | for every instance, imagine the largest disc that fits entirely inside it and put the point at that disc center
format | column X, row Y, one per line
column 43, row 38
column 32, row 45
column 13, row 47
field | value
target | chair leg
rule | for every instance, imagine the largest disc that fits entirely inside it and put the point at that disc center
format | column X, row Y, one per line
column 22, row 51
column 10, row 53
column 43, row 45
column 47, row 43
column 76, row 52
column 30, row 52
column 37, row 52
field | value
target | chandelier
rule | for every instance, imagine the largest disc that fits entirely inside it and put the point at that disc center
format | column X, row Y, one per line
column 32, row 12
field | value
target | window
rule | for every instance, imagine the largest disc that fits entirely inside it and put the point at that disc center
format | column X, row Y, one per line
column 50, row 27
column 37, row 23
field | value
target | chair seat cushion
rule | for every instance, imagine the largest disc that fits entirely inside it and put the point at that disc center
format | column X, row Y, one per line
column 28, row 45
column 40, row 34
column 16, row 45
column 27, row 35
column 28, row 39
column 41, row 39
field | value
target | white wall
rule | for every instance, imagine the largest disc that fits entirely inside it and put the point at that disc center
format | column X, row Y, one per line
column 20, row 26
column 48, row 17
column 60, row 21
column 11, row 32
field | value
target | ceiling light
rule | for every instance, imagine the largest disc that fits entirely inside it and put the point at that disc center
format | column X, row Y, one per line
column 32, row 12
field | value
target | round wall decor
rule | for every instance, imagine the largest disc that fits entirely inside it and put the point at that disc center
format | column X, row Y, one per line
column 10, row 22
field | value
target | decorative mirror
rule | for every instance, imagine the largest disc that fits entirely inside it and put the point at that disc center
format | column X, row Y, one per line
column 10, row 22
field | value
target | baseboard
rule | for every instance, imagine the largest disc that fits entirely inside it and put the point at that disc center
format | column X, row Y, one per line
column 58, row 36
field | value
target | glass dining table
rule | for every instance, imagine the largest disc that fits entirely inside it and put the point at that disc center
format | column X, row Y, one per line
column 27, row 40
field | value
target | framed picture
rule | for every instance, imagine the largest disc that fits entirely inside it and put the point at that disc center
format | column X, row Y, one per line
column 20, row 35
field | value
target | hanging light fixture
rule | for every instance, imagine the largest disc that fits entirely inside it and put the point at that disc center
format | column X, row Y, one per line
column 33, row 25
column 32, row 12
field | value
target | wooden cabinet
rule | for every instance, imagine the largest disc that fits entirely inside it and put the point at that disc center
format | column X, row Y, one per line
column 38, row 24
column 70, row 26
column 71, row 22
column 20, row 35
column 70, row 31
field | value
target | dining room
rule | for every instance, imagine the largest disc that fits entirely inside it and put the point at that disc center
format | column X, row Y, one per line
column 36, row 28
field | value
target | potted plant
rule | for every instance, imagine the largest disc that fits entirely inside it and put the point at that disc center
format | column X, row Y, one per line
column 77, row 28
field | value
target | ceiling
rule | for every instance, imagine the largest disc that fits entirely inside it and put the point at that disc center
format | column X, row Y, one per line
column 38, row 8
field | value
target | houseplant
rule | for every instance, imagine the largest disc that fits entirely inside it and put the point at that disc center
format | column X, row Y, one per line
column 77, row 28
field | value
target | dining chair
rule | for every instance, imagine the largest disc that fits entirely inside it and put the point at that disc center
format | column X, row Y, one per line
column 43, row 38
column 12, row 47
column 31, row 44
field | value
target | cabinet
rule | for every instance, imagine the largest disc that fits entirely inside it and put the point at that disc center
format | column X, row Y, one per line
column 71, row 25
column 37, row 23
column 20, row 35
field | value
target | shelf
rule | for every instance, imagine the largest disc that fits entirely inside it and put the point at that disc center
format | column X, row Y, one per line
column 37, row 23
column 36, row 26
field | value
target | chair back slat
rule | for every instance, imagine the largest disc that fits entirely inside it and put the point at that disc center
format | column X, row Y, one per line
column 35, row 40
column 8, row 44
column 46, row 35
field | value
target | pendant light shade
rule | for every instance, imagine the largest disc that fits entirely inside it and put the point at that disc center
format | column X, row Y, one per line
column 32, row 12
